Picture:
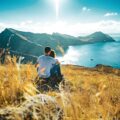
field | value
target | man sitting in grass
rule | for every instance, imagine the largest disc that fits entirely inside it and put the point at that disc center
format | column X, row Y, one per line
column 44, row 65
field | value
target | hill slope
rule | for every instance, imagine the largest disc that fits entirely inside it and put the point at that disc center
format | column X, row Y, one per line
column 44, row 39
column 97, row 37
column 32, row 44
column 89, row 94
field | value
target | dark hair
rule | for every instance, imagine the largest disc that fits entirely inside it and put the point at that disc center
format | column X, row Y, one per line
column 52, row 53
column 47, row 49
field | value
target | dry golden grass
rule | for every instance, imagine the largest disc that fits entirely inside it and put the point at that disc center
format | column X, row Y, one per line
column 93, row 94
column 87, row 94
column 15, row 82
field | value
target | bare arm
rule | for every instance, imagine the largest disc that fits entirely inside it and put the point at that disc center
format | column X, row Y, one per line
column 57, row 62
column 36, row 65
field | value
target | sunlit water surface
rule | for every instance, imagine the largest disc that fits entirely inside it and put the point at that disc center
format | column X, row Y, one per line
column 92, row 54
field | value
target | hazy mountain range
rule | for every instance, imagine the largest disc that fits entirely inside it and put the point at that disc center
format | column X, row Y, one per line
column 30, row 44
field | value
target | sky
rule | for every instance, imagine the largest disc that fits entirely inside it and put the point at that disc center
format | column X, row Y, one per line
column 73, row 17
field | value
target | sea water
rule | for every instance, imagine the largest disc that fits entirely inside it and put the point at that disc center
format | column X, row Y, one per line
column 89, row 55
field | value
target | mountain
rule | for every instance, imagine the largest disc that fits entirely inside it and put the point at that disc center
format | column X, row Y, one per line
column 30, row 44
column 54, row 40
column 96, row 37
column 19, row 45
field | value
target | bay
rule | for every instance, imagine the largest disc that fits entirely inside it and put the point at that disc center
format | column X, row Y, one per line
column 89, row 55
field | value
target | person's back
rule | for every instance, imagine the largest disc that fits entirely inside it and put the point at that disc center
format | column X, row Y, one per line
column 45, row 64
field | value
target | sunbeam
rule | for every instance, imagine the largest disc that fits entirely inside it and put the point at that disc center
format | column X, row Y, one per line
column 57, row 6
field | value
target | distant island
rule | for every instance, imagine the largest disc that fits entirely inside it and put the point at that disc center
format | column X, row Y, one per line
column 31, row 45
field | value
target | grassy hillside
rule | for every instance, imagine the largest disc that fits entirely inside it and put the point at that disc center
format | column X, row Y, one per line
column 89, row 94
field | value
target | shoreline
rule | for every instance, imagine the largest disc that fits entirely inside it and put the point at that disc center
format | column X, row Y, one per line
column 99, row 67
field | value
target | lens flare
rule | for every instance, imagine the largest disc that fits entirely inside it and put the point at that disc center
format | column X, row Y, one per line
column 57, row 6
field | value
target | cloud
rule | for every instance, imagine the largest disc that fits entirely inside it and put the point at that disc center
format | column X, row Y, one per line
column 85, row 9
column 24, row 25
column 111, row 14
column 26, row 22
column 76, row 29
column 2, row 26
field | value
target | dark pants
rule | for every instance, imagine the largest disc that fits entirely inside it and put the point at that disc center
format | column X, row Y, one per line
column 55, row 70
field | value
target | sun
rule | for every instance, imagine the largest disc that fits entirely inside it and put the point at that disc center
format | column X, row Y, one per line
column 57, row 6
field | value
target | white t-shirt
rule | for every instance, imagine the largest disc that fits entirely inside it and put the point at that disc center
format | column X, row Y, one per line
column 45, row 65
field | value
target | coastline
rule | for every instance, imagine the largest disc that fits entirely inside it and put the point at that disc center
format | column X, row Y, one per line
column 99, row 67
